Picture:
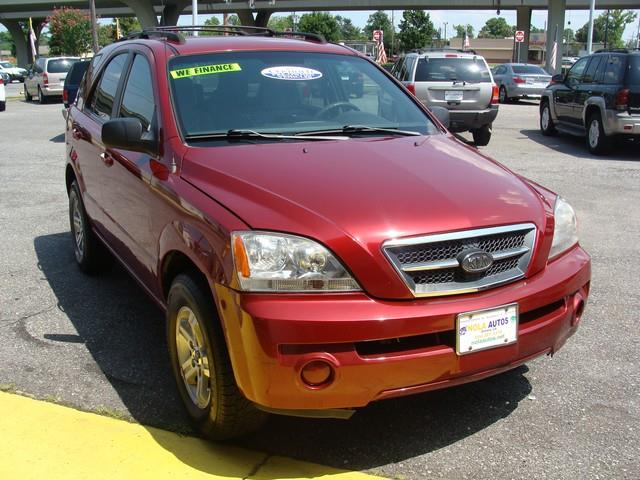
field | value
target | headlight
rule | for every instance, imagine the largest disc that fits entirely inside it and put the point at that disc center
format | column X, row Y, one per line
column 275, row 262
column 565, row 233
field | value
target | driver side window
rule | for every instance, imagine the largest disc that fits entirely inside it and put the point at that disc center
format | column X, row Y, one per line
column 575, row 74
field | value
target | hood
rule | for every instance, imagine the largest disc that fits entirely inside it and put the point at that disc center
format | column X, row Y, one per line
column 353, row 195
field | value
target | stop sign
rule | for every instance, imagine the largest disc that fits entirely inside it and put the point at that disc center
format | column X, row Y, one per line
column 377, row 35
column 519, row 36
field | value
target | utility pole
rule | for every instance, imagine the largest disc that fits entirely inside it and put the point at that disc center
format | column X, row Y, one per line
column 393, row 29
column 606, row 30
column 638, row 37
column 94, row 25
column 592, row 8
column 445, row 32
column 194, row 15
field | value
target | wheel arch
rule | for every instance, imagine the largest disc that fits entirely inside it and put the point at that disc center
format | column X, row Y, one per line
column 594, row 105
column 69, row 176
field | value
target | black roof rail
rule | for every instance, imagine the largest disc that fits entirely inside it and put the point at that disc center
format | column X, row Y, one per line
column 618, row 50
column 172, row 33
column 443, row 49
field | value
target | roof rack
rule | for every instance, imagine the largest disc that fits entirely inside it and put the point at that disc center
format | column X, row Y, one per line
column 444, row 49
column 173, row 33
column 619, row 50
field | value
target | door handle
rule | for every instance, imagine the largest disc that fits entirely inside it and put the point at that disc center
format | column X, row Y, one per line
column 106, row 159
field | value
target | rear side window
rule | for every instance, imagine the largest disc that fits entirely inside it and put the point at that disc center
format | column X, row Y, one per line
column 75, row 74
column 592, row 74
column 470, row 70
column 528, row 70
column 634, row 70
column 105, row 93
column 138, row 101
column 614, row 70
column 60, row 66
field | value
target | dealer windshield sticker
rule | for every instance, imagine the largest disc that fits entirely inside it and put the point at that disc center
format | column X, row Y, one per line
column 205, row 70
column 291, row 73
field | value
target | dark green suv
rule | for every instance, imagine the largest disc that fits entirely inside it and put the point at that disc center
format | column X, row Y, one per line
column 598, row 98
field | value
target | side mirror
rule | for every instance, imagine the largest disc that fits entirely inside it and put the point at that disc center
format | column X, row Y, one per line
column 557, row 78
column 126, row 133
column 442, row 114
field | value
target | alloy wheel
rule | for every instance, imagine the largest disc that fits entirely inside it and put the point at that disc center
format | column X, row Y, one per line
column 193, row 357
column 545, row 117
column 594, row 133
column 78, row 228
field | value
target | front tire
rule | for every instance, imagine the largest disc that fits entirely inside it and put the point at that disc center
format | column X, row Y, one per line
column 547, row 126
column 91, row 255
column 597, row 140
column 201, row 364
column 482, row 135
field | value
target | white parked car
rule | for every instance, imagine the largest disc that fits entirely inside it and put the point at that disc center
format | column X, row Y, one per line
column 3, row 96
column 15, row 73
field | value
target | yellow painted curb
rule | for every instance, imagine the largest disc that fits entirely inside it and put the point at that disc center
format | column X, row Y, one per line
column 40, row 440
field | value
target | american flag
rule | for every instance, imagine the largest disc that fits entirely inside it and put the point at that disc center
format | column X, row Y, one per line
column 466, row 43
column 554, row 51
column 32, row 40
column 382, row 55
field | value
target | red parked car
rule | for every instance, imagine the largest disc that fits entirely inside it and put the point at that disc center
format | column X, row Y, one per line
column 314, row 251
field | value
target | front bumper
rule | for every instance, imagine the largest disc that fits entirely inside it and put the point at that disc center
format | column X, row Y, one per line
column 381, row 349
column 621, row 123
column 464, row 120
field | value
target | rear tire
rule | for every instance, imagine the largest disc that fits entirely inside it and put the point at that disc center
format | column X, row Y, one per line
column 482, row 135
column 91, row 255
column 547, row 126
column 42, row 99
column 3, row 106
column 503, row 95
column 597, row 140
column 27, row 95
column 201, row 365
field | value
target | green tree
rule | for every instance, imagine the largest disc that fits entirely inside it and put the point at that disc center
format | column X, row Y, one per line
column 348, row 31
column 106, row 35
column 416, row 30
column 320, row 22
column 280, row 23
column 380, row 21
column 569, row 35
column 210, row 22
column 233, row 20
column 127, row 25
column 535, row 29
column 461, row 28
column 618, row 20
column 70, row 32
column 496, row 27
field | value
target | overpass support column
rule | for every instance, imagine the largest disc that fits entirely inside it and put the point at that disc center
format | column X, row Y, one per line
column 143, row 9
column 261, row 19
column 524, row 24
column 555, row 22
column 20, row 39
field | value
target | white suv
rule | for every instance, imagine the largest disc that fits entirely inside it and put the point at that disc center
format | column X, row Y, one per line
column 458, row 80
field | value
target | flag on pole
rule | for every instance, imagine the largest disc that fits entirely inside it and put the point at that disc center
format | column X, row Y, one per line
column 382, row 55
column 118, row 32
column 554, row 51
column 466, row 44
column 32, row 40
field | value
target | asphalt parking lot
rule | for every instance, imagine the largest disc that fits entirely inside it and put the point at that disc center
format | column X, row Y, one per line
column 98, row 343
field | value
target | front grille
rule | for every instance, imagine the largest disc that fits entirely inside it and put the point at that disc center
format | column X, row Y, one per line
column 430, row 265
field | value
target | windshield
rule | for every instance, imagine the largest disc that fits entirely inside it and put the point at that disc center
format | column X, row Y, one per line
column 287, row 93
column 528, row 70
column 472, row 70
column 6, row 65
column 60, row 66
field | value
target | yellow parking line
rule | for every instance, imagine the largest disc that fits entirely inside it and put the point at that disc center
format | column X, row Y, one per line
column 40, row 440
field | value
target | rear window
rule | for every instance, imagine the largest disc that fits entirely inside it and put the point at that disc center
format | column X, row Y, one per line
column 614, row 70
column 449, row 69
column 634, row 70
column 60, row 66
column 75, row 75
column 528, row 70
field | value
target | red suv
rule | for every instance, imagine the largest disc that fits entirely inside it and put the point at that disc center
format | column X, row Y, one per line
column 314, row 249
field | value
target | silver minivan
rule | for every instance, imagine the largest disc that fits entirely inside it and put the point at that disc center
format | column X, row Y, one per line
column 46, row 78
column 458, row 80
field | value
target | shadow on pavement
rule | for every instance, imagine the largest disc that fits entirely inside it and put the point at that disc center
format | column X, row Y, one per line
column 57, row 138
column 124, row 332
column 623, row 149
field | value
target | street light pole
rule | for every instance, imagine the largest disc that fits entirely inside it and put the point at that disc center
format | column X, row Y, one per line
column 94, row 25
column 445, row 32
column 194, row 15
column 592, row 8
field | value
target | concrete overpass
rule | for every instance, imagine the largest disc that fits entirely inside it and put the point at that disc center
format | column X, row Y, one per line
column 166, row 12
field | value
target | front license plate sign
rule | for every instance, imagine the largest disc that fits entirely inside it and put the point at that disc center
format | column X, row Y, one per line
column 484, row 329
column 453, row 96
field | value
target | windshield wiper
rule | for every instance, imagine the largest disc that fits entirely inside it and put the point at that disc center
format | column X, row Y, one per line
column 356, row 129
column 241, row 134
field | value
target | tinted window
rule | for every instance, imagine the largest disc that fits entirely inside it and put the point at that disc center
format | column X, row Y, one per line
column 75, row 74
column 138, row 101
column 60, row 66
column 6, row 64
column 286, row 92
column 105, row 93
column 528, row 70
column 591, row 75
column 500, row 70
column 575, row 74
column 634, row 70
column 614, row 70
column 449, row 69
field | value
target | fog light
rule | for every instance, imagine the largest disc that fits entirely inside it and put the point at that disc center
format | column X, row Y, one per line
column 578, row 309
column 317, row 373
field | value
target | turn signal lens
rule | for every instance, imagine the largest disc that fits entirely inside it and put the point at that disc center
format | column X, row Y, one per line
column 622, row 99
column 518, row 80
column 495, row 95
column 45, row 79
column 240, row 257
